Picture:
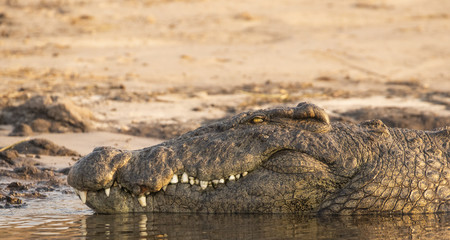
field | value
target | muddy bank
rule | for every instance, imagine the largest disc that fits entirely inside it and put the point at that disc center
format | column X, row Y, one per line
column 396, row 117
column 27, row 182
column 15, row 194
column 392, row 116
column 168, row 113
column 155, row 113
column 24, row 177
column 24, row 157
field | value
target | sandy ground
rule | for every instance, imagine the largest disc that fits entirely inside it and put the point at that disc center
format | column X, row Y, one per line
column 150, row 70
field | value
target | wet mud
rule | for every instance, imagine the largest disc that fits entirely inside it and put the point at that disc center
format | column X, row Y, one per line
column 16, row 194
column 24, row 178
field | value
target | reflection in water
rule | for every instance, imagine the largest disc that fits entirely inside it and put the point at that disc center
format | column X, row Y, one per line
column 239, row 226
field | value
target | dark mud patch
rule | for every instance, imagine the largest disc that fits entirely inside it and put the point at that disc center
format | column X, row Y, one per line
column 46, row 114
column 441, row 98
column 15, row 194
column 29, row 169
column 416, row 89
column 167, row 131
column 41, row 146
column 5, row 25
column 392, row 116
column 17, row 164
column 273, row 93
column 18, row 155
column 11, row 159
column 161, row 130
column 8, row 156
column 2, row 18
column 27, row 180
column 396, row 117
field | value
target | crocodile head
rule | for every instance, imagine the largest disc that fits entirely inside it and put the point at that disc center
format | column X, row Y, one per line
column 276, row 160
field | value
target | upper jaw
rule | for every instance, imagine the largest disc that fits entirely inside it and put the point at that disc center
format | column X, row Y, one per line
column 139, row 173
column 195, row 184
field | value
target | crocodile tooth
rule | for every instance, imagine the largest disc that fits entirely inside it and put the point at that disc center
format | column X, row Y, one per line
column 203, row 184
column 164, row 188
column 191, row 180
column 215, row 181
column 83, row 195
column 184, row 178
column 142, row 200
column 244, row 174
column 232, row 178
column 196, row 182
column 107, row 191
column 174, row 179
column 221, row 180
column 237, row 176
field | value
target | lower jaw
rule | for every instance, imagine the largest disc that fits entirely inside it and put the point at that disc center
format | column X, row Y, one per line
column 118, row 201
column 174, row 200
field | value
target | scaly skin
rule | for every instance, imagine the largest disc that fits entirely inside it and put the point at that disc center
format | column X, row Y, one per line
column 285, row 160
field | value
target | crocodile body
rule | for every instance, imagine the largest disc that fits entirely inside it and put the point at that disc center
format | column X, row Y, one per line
column 283, row 160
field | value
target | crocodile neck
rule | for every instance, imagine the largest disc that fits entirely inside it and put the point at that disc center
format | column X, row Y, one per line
column 413, row 179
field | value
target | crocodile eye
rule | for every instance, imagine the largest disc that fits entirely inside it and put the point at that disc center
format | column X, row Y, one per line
column 257, row 120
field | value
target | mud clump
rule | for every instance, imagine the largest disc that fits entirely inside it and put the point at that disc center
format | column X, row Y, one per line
column 18, row 191
column 44, row 180
column 17, row 186
column 9, row 156
column 42, row 147
column 2, row 17
column 397, row 117
column 18, row 166
column 160, row 130
column 13, row 200
column 27, row 172
column 31, row 172
column 46, row 114
column 19, row 161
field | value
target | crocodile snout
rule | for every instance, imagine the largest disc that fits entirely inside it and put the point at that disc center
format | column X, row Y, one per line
column 139, row 173
column 96, row 170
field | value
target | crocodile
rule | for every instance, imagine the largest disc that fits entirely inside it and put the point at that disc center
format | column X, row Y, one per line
column 280, row 160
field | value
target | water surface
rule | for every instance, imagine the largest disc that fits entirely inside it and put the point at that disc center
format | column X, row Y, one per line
column 62, row 216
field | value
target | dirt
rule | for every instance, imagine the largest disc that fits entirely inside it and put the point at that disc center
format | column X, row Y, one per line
column 41, row 114
column 40, row 146
column 13, row 192
column 16, row 194
column 16, row 164
column 397, row 117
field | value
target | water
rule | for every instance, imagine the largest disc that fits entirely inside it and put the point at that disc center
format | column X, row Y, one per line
column 62, row 216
